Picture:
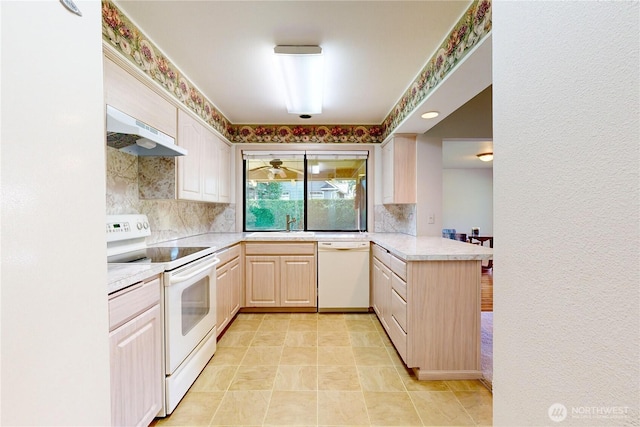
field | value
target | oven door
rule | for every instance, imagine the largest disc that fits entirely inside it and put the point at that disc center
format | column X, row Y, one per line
column 190, row 308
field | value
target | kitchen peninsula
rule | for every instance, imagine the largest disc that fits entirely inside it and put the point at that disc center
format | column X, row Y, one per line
column 424, row 290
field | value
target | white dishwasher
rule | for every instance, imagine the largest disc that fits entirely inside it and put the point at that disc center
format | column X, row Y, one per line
column 343, row 276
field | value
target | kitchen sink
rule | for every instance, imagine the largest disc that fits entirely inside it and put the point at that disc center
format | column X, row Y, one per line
column 281, row 234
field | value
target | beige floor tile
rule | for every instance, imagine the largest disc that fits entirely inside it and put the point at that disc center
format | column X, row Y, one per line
column 245, row 325
column 412, row 383
column 380, row 378
column 215, row 378
column 335, row 356
column 293, row 408
column 333, row 338
column 195, row 409
column 342, row 408
column 296, row 377
column 359, row 316
column 301, row 338
column 228, row 356
column 385, row 339
column 236, row 339
column 343, row 378
column 479, row 404
column 269, row 338
column 395, row 357
column 372, row 356
column 391, row 409
column 247, row 407
column 440, row 408
column 465, row 385
column 304, row 316
column 269, row 324
column 365, row 339
column 299, row 356
column 250, row 316
column 262, row 355
column 254, row 378
column 360, row 325
column 303, row 325
column 332, row 324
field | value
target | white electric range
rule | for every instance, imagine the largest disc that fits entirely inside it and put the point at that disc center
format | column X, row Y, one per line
column 188, row 299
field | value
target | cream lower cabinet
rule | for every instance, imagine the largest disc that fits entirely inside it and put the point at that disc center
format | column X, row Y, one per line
column 229, row 289
column 431, row 312
column 280, row 275
column 135, row 341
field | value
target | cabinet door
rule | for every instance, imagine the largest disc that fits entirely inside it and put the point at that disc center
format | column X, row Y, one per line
column 235, row 272
column 382, row 292
column 387, row 173
column 136, row 370
column 298, row 286
column 399, row 170
column 190, row 135
column 128, row 94
column 210, row 167
column 224, row 172
column 223, row 290
column 262, row 281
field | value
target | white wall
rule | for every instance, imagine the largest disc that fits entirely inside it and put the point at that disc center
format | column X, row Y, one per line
column 566, row 198
column 55, row 354
column 429, row 185
column 467, row 200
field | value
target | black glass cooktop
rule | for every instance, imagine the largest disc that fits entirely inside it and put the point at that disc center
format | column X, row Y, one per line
column 156, row 254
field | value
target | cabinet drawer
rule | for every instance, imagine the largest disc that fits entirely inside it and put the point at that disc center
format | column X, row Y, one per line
column 399, row 310
column 399, row 338
column 128, row 303
column 382, row 254
column 399, row 267
column 399, row 285
column 228, row 254
column 280, row 249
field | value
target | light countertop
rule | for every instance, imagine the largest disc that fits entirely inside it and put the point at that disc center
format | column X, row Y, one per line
column 404, row 246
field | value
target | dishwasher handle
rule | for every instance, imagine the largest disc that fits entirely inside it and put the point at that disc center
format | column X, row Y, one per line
column 343, row 246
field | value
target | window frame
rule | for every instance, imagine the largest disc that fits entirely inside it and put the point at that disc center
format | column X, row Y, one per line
column 366, row 151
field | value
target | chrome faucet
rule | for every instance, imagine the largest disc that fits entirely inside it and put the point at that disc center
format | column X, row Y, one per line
column 289, row 222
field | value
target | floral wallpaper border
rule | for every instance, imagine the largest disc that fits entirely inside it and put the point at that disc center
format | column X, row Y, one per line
column 129, row 41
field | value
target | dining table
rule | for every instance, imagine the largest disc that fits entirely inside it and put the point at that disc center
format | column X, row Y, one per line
column 481, row 240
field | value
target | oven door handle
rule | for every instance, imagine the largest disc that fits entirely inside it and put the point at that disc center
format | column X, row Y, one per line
column 178, row 279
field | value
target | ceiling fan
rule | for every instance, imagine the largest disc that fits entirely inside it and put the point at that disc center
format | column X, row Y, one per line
column 276, row 169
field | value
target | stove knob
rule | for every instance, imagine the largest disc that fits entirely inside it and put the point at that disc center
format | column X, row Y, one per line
column 145, row 225
column 139, row 225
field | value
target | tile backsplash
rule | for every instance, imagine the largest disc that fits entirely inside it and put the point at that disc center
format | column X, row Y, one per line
column 395, row 219
column 169, row 218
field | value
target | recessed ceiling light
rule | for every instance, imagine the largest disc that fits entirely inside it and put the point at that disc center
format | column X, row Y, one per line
column 430, row 115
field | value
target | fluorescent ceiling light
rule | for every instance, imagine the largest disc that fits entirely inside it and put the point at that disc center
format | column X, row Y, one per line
column 485, row 157
column 301, row 68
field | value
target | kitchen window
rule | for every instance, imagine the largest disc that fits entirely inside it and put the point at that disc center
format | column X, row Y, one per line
column 319, row 191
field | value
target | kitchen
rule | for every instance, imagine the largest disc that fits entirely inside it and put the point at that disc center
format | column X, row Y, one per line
column 135, row 191
column 59, row 389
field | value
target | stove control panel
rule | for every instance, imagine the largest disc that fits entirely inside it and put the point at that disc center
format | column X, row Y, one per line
column 126, row 227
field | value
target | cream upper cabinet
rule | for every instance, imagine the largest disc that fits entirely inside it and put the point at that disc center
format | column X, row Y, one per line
column 399, row 170
column 203, row 174
column 128, row 94
column 280, row 275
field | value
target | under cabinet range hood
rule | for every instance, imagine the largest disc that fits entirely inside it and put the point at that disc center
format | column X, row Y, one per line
column 135, row 137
